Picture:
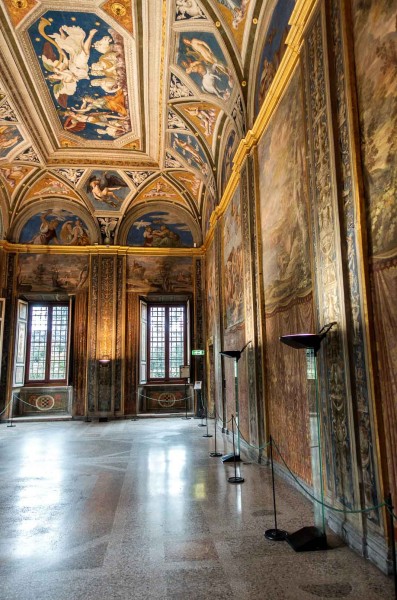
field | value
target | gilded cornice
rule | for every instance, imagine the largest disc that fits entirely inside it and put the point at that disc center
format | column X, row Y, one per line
column 98, row 249
column 300, row 17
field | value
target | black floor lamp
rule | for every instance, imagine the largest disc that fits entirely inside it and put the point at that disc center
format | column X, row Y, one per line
column 311, row 538
column 236, row 355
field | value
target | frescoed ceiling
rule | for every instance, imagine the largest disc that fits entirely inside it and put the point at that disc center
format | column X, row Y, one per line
column 110, row 105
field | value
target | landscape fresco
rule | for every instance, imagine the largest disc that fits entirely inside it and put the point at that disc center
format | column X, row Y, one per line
column 55, row 227
column 233, row 272
column 200, row 56
column 273, row 50
column 83, row 64
column 47, row 273
column 160, row 229
column 159, row 274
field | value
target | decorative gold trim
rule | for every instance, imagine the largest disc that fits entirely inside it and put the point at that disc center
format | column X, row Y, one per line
column 99, row 250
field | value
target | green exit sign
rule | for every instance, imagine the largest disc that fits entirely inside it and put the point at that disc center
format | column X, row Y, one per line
column 198, row 352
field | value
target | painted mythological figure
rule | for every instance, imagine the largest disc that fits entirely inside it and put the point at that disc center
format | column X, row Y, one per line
column 103, row 188
column 202, row 61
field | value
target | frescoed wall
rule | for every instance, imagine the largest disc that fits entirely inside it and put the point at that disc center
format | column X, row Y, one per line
column 160, row 229
column 159, row 274
column 286, row 273
column 51, row 273
column 233, row 298
column 375, row 51
column 83, row 64
column 57, row 226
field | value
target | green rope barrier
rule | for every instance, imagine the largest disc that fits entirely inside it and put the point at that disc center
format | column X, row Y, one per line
column 157, row 399
column 252, row 445
column 340, row 510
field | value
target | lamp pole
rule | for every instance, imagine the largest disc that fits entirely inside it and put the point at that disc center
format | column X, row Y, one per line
column 237, row 405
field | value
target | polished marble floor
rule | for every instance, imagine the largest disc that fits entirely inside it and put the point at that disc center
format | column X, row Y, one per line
column 138, row 510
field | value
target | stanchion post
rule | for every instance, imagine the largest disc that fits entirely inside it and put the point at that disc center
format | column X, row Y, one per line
column 215, row 453
column 235, row 479
column 186, row 418
column 10, row 423
column 202, row 411
column 206, row 422
column 389, row 505
column 276, row 535
column 135, row 416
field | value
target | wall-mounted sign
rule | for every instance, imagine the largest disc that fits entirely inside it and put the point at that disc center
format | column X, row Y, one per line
column 198, row 352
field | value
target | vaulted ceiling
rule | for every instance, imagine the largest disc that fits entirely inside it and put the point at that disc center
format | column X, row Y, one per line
column 120, row 108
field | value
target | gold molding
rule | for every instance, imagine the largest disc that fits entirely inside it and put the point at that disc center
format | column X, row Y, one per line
column 99, row 250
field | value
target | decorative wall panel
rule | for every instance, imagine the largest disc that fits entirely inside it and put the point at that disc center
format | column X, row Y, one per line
column 350, row 218
column 79, row 358
column 333, row 367
column 375, row 46
column 286, row 273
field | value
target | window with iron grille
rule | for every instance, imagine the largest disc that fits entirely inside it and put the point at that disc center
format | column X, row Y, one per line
column 47, row 350
column 163, row 341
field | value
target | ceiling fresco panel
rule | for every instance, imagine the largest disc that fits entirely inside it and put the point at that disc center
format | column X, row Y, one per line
column 82, row 60
column 235, row 13
column 186, row 10
column 204, row 116
column 189, row 149
column 107, row 190
column 49, row 185
column 14, row 175
column 10, row 138
column 190, row 182
column 202, row 59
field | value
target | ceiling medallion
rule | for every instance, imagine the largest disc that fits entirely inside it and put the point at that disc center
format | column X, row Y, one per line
column 19, row 3
column 118, row 9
